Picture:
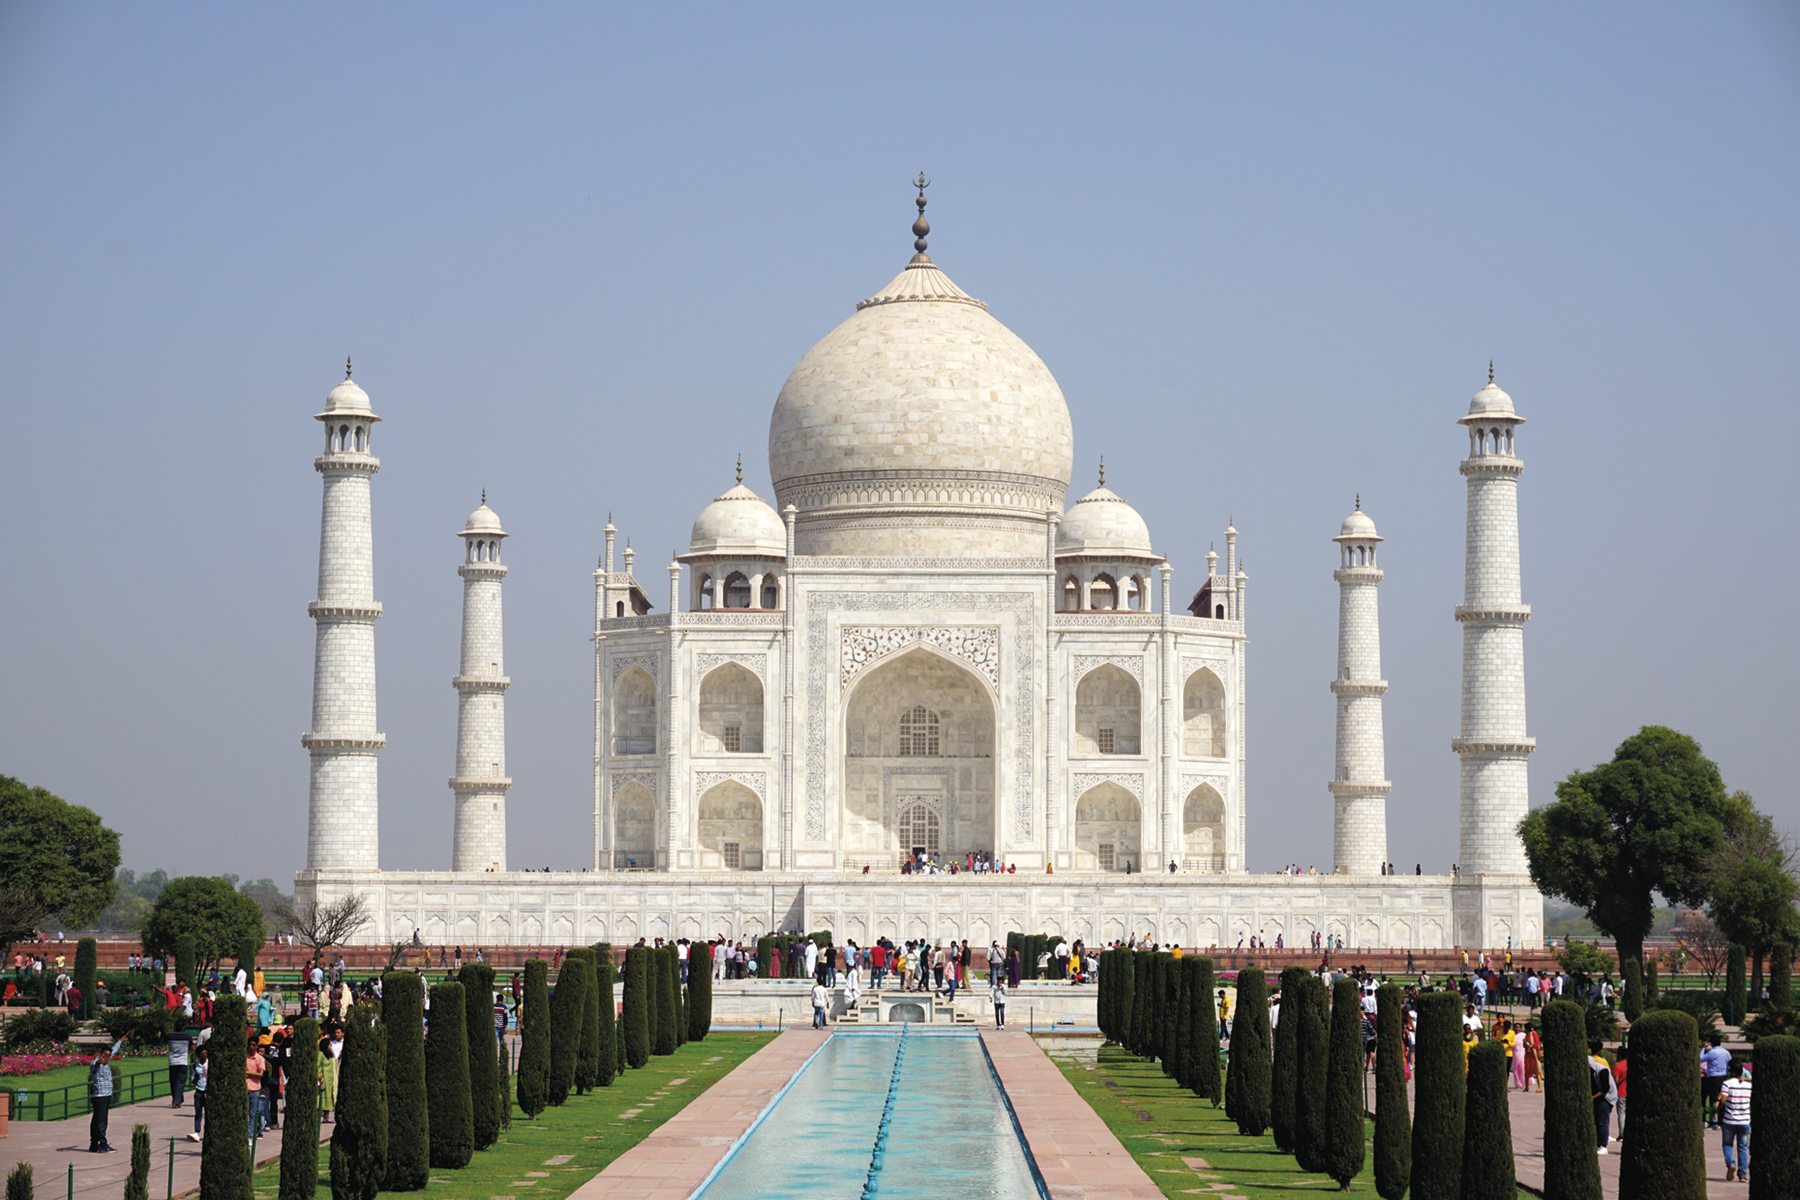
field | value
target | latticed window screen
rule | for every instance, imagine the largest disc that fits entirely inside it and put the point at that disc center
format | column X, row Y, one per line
column 734, row 738
column 919, row 827
column 1105, row 854
column 1105, row 738
column 919, row 732
column 734, row 855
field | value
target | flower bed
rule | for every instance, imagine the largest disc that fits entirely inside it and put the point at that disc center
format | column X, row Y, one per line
column 34, row 1064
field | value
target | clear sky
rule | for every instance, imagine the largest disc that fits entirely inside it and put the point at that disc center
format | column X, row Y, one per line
column 1268, row 251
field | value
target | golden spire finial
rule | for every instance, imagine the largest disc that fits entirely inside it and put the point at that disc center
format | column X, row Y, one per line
column 484, row 497
column 1359, row 502
column 1103, row 470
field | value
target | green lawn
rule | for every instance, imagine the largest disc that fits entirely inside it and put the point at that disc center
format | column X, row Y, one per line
column 1182, row 1142
column 549, row 1158
column 155, row 1082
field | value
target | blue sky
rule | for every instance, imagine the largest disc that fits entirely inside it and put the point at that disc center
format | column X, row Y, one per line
column 1267, row 250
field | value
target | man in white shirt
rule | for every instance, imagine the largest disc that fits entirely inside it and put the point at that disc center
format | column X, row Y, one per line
column 997, row 994
column 820, row 998
column 812, row 959
column 719, row 955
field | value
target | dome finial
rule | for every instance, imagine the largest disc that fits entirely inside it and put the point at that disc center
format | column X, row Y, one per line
column 484, row 495
column 1103, row 470
column 346, row 366
column 1359, row 502
column 921, row 227
column 740, row 468
column 1490, row 370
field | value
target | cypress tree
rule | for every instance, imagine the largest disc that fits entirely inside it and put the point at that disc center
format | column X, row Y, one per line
column 1142, row 998
column 359, row 1133
column 1571, row 1170
column 566, row 1007
column 1393, row 1126
column 1250, row 1054
column 1665, row 1151
column 1651, row 988
column 300, row 1132
column 246, row 957
column 1174, row 1002
column 1285, row 1077
column 1188, row 976
column 1440, row 1095
column 634, row 1026
column 587, row 1073
column 224, row 1156
column 765, row 968
column 680, row 993
column 1781, row 980
column 1774, row 1116
column 447, row 1079
column 1203, row 1068
column 184, row 960
column 699, row 994
column 137, row 1184
column 503, row 1087
column 1311, row 1057
column 478, row 1026
column 1124, row 972
column 409, row 1119
column 607, row 1061
column 662, row 1037
column 87, row 969
column 1634, row 989
column 1733, row 1007
column 534, row 1040
column 1487, row 1158
column 18, row 1182
column 1344, row 1106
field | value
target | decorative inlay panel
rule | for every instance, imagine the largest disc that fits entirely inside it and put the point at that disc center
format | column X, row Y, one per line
column 645, row 779
column 703, row 663
column 1132, row 664
column 756, row 781
column 1218, row 783
column 1131, row 783
column 624, row 662
column 861, row 647
column 827, row 562
column 1190, row 664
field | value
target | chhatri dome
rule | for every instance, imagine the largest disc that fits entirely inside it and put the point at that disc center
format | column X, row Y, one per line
column 347, row 398
column 483, row 520
column 1101, row 524
column 921, row 427
column 739, row 522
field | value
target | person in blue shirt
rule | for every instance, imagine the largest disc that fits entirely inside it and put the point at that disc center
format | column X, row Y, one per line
column 1715, row 1061
column 100, row 1094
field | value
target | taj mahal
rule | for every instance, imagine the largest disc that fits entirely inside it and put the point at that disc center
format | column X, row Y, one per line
column 920, row 647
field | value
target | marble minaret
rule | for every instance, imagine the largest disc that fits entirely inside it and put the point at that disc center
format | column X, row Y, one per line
column 1493, row 745
column 1360, row 786
column 480, row 783
column 341, row 811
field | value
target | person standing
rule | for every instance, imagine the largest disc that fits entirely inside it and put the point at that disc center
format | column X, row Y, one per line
column 200, row 1055
column 820, row 998
column 1605, row 1093
column 1734, row 1122
column 254, row 1067
column 179, row 1041
column 100, row 1094
column 1715, row 1060
column 997, row 994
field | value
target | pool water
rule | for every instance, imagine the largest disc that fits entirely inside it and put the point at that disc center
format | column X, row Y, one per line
column 950, row 1133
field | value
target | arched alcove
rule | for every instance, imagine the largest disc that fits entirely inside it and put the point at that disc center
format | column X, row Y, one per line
column 731, row 711
column 1203, row 829
column 634, row 713
column 634, row 827
column 1108, row 829
column 1108, row 712
column 1203, row 716
column 731, row 828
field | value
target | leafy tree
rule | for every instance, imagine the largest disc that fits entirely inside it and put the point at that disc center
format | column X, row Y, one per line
column 1665, row 1153
column 1617, row 836
column 247, row 948
column 1393, row 1127
column 1705, row 942
column 137, row 1184
column 566, row 1008
column 299, row 1135
column 56, row 860
column 1344, row 1151
column 478, row 1024
column 1311, row 1055
column 1487, row 1158
column 224, row 1155
column 606, row 1062
column 1584, row 958
column 216, row 915
column 447, row 1091
column 1437, row 1133
column 1750, row 884
column 1774, row 1115
column 359, row 1133
column 87, row 967
column 1571, row 1171
column 699, row 993
column 1285, row 1077
column 634, row 1024
column 409, row 1112
column 534, row 1040
column 1250, row 1054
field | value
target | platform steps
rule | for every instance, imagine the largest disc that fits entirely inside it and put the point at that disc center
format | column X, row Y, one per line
column 869, row 1013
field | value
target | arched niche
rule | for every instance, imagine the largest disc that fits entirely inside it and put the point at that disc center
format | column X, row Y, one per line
column 731, row 828
column 1108, row 829
column 1108, row 712
column 1203, row 716
column 634, row 713
column 634, row 827
column 1203, row 829
column 731, row 711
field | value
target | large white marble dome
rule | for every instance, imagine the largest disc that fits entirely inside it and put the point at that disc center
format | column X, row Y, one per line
column 921, row 427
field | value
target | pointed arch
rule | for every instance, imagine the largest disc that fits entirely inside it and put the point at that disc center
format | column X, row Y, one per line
column 1203, row 715
column 731, row 711
column 1108, row 829
column 731, row 828
column 1108, row 712
column 1203, row 829
column 634, row 713
column 634, row 827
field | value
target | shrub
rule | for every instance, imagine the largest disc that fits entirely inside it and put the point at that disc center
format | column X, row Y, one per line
column 1312, row 1051
column 1732, row 1009
column 586, row 1070
column 39, row 1025
column 246, row 954
column 299, row 1134
column 87, row 963
column 634, row 1025
column 1634, row 990
column 1393, row 1125
column 1162, row 968
column 478, row 1026
column 1487, row 1157
column 1697, row 1003
column 186, row 959
column 534, row 1040
column 1665, row 1153
column 224, row 1155
column 1781, row 979
column 1203, row 1031
column 677, row 994
column 662, row 1037
column 409, row 1119
column 606, row 1063
column 1283, row 1077
column 1123, row 969
column 1250, row 1054
column 144, row 1028
column 18, row 1183
column 503, row 1087
column 1774, row 1116
column 1571, row 1171
column 447, row 1084
column 699, row 993
column 1601, row 1022
column 566, row 1007
column 1344, row 1105
column 1439, row 1087
column 137, row 1184
column 1141, row 1000
column 1651, row 988
column 765, row 968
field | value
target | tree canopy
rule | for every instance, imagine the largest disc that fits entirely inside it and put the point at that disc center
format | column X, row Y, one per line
column 56, row 860
column 219, row 917
column 1617, row 836
column 1750, row 879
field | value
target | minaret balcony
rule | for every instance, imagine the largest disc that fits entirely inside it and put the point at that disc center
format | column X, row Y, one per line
column 1493, row 746
column 319, row 741
column 347, row 463
column 320, row 611
column 481, row 683
column 1359, row 787
column 1358, row 574
column 1493, row 614
column 1358, row 687
column 482, row 570
column 1490, row 465
column 493, row 783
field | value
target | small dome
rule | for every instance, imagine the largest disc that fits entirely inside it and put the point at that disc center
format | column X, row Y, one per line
column 347, row 399
column 1490, row 403
column 1102, row 524
column 1359, row 527
column 483, row 521
column 739, row 522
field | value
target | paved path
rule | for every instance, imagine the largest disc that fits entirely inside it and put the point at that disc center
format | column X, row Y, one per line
column 681, row 1153
column 1076, row 1153
column 1527, row 1112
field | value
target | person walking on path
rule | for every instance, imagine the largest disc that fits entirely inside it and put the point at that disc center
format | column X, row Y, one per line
column 997, row 994
column 1734, row 1122
column 1714, row 1060
column 100, row 1094
column 200, row 1055
column 820, row 998
column 1619, row 1070
column 179, row 1040
column 1605, row 1092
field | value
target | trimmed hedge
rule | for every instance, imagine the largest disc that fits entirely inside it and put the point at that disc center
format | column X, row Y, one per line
column 1633, row 1004
column 1440, row 1095
column 1487, row 1159
column 300, row 1132
column 699, row 992
column 566, row 1007
column 137, row 1184
column 1571, row 1169
column 1203, row 1030
column 663, row 1037
column 186, row 961
column 1168, row 993
column 409, row 1113
column 607, row 1063
column 359, row 1133
column 765, row 967
column 678, row 994
column 1651, row 988
column 1284, row 1076
column 1665, row 1152
column 1124, row 973
column 1344, row 1106
column 1143, row 999
column 1781, row 979
column 1312, row 1052
column 1393, row 1125
column 1774, row 1117
column 1250, row 1054
column 87, row 965
column 587, row 1073
column 447, row 1084
column 634, row 1026
column 225, row 1156
column 534, row 1040
column 246, row 957
column 1732, row 1009
column 484, row 1065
